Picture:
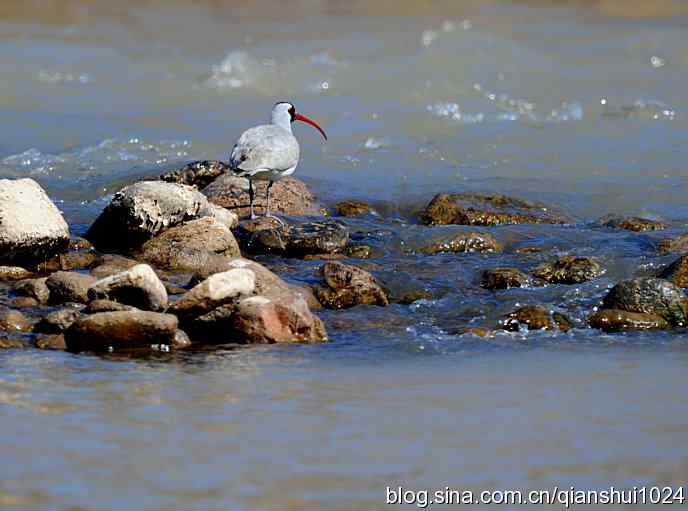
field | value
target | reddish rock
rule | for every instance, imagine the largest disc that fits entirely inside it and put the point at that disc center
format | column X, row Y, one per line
column 347, row 286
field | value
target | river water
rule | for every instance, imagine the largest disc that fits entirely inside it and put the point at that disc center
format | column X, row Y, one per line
column 581, row 105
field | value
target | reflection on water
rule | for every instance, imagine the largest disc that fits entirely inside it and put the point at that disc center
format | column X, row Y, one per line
column 580, row 104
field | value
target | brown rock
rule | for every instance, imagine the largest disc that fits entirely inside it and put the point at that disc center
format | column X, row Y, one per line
column 50, row 342
column 505, row 278
column 67, row 286
column 358, row 251
column 14, row 273
column 569, row 270
column 651, row 296
column 347, row 286
column 290, row 196
column 106, row 306
column 631, row 223
column 535, row 317
column 14, row 321
column 108, row 331
column 138, row 286
column 197, row 173
column 21, row 302
column 486, row 209
column 110, row 264
column 10, row 343
column 33, row 288
column 190, row 246
column 57, row 322
column 352, row 208
column 676, row 272
column 299, row 240
column 67, row 261
column 677, row 244
column 464, row 242
column 615, row 320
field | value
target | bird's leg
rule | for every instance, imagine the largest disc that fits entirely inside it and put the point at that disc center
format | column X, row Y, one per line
column 267, row 210
column 250, row 197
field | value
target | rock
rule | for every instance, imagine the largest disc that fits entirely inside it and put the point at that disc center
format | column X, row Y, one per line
column 413, row 296
column 464, row 242
column 31, row 226
column 181, row 340
column 142, row 210
column 14, row 321
column 676, row 272
column 347, row 286
column 290, row 196
column 68, row 261
column 69, row 286
column 569, row 270
column 77, row 244
column 224, row 216
column 358, row 251
column 106, row 306
column 352, row 208
column 535, row 317
column 677, row 244
column 14, row 273
column 197, row 173
column 486, row 209
column 57, row 322
column 261, row 320
column 21, row 302
column 111, row 264
column 138, row 286
column 615, row 320
column 300, row 240
column 50, row 342
column 121, row 330
column 631, row 223
column 651, row 296
column 505, row 278
column 33, row 288
column 478, row 331
column 529, row 249
column 190, row 246
column 10, row 343
column 214, row 291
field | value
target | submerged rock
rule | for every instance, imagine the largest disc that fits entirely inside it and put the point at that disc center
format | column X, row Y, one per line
column 569, row 270
column 676, row 272
column 300, row 240
column 69, row 286
column 631, row 223
column 197, row 173
column 347, row 286
column 352, row 208
column 121, row 330
column 677, row 244
column 650, row 296
column 32, row 228
column 289, row 196
column 33, row 288
column 358, row 251
column 142, row 210
column 57, row 322
column 464, row 242
column 486, row 209
column 190, row 246
column 615, row 320
column 505, row 278
column 535, row 317
column 215, row 291
column 138, row 286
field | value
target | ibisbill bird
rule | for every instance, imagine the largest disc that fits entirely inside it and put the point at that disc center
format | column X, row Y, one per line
column 269, row 152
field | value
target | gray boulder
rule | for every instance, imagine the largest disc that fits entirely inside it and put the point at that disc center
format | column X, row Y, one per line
column 138, row 286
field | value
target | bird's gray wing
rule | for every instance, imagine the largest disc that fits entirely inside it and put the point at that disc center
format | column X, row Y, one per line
column 265, row 147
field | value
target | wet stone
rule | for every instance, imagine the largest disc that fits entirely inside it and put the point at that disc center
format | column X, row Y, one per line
column 289, row 196
column 14, row 273
column 486, row 209
column 197, row 173
column 352, row 208
column 68, row 261
column 7, row 342
column 569, row 270
column 67, row 286
column 676, row 272
column 33, row 288
column 299, row 240
column 110, row 264
column 358, row 251
column 464, row 242
column 615, row 320
column 57, row 322
column 677, row 244
column 24, row 301
column 14, row 321
column 106, row 306
column 506, row 278
column 535, row 317
column 347, row 286
column 650, row 296
column 138, row 286
column 50, row 342
column 631, row 223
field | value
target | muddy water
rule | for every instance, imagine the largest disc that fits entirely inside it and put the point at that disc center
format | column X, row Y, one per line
column 582, row 106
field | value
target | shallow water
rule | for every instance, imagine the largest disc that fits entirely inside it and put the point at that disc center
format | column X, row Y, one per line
column 581, row 106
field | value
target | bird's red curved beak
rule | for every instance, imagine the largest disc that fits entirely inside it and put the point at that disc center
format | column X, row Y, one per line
column 303, row 118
